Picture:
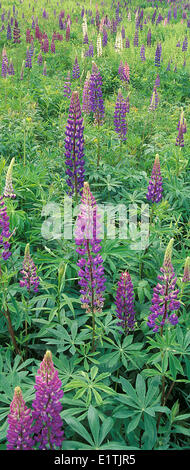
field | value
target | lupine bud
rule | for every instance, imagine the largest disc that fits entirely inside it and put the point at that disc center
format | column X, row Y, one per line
column 74, row 146
column 155, row 184
column 20, row 424
column 8, row 190
column 165, row 297
column 125, row 303
column 186, row 274
column 48, row 433
column 30, row 278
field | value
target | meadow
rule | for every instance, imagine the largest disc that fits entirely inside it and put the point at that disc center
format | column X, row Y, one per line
column 94, row 225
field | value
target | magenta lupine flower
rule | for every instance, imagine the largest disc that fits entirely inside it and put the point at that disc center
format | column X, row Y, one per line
column 46, row 45
column 5, row 233
column 74, row 147
column 91, row 272
column 155, row 184
column 96, row 97
column 48, row 433
column 76, row 69
column 40, row 59
column 186, row 274
column 30, row 278
column 67, row 87
column 67, row 37
column 165, row 297
column 86, row 95
column 125, row 303
column 53, row 47
column 120, row 116
column 20, row 424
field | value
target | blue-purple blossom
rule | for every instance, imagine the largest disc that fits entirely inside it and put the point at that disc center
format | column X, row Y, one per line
column 19, row 424
column 155, row 188
column 125, row 303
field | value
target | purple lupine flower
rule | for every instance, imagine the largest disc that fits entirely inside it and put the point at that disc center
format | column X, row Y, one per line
column 19, row 424
column 9, row 33
column 4, row 68
column 155, row 184
column 85, row 40
column 165, row 297
column 104, row 38
column 30, row 278
column 127, row 43
column 91, row 50
column 154, row 100
column 10, row 69
column 182, row 129
column 76, row 69
column 67, row 36
column 5, row 233
column 28, row 61
column 67, row 87
column 123, row 32
column 125, row 303
column 120, row 116
column 86, row 95
column 186, row 273
column 16, row 33
column 46, row 45
column 48, row 433
column 8, row 190
column 158, row 55
column 185, row 44
column 91, row 273
column 96, row 97
column 74, row 147
column 142, row 53
column 168, row 66
column 149, row 37
column 178, row 44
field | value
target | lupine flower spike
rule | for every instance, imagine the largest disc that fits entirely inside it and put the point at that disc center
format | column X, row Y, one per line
column 5, row 233
column 155, row 184
column 125, row 303
column 96, row 98
column 74, row 147
column 30, row 278
column 91, row 272
column 165, row 297
column 8, row 190
column 48, row 433
column 20, row 424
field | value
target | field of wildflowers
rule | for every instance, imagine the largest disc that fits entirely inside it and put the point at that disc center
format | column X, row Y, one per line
column 94, row 225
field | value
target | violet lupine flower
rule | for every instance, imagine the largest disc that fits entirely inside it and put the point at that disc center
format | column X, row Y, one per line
column 91, row 273
column 5, row 233
column 165, row 297
column 91, row 50
column 9, row 33
column 104, row 38
column 186, row 273
column 76, row 69
column 20, row 424
column 158, row 55
column 48, row 433
column 120, row 116
column 125, row 303
column 182, row 129
column 28, row 61
column 8, row 190
column 10, row 69
column 96, row 97
column 185, row 44
column 127, row 43
column 74, row 147
column 155, row 184
column 30, row 278
column 4, row 68
column 67, row 87
column 85, row 40
column 136, row 38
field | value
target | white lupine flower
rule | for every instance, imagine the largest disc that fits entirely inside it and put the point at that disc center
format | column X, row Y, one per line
column 99, row 45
